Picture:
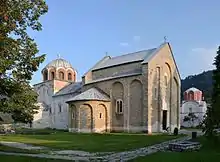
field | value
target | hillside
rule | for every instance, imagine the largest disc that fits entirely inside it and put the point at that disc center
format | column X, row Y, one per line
column 202, row 81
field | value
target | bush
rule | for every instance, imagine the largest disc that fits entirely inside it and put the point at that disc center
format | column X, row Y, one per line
column 175, row 132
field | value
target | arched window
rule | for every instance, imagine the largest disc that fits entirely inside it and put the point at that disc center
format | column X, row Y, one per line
column 165, row 81
column 60, row 107
column 191, row 95
column 74, row 76
column 45, row 75
column 119, row 106
column 73, row 115
column 69, row 76
column 61, row 75
column 52, row 75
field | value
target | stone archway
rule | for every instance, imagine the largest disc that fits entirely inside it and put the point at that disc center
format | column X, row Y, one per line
column 100, row 118
column 45, row 75
column 136, row 106
column 86, row 118
column 73, row 117
column 117, row 119
column 167, row 94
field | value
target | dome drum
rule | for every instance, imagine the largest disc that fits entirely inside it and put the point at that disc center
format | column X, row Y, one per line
column 59, row 69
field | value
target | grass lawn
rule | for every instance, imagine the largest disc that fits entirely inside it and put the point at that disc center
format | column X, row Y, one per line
column 208, row 153
column 17, row 150
column 90, row 142
column 11, row 158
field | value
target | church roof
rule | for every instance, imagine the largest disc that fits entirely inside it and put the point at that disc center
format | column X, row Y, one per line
column 192, row 89
column 127, row 58
column 59, row 63
column 71, row 88
column 90, row 94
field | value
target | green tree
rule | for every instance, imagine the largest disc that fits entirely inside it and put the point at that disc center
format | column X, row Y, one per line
column 19, row 57
column 212, row 120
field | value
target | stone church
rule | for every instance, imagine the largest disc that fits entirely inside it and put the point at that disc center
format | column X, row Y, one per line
column 134, row 92
column 193, row 103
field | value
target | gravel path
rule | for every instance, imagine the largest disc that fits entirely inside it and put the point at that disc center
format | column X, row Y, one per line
column 22, row 145
column 48, row 156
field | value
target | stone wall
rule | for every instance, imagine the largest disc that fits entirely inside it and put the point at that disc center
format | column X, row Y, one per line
column 89, row 116
column 166, row 96
column 197, row 108
column 45, row 91
column 116, row 70
column 50, row 116
column 60, row 118
column 120, row 89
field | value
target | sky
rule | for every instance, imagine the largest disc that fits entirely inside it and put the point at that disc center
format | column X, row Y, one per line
column 82, row 31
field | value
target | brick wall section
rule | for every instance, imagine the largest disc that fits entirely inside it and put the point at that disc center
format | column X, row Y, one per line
column 193, row 96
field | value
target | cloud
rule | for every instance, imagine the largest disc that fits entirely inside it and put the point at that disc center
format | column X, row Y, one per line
column 136, row 38
column 197, row 61
column 205, row 57
column 124, row 44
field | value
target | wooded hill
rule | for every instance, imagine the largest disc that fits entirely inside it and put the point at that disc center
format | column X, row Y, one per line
column 202, row 81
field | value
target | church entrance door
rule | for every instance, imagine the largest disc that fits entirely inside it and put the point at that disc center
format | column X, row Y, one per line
column 164, row 120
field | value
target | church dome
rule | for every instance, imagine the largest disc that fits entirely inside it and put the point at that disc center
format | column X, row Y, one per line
column 59, row 69
column 59, row 63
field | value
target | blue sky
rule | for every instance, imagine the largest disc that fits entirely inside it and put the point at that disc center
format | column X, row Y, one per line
column 81, row 31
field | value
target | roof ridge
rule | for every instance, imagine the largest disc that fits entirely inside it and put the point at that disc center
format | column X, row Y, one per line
column 101, row 91
column 130, row 53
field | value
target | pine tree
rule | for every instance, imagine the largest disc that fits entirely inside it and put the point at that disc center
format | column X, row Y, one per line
column 212, row 120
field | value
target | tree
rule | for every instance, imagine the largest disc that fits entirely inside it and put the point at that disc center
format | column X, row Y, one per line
column 18, row 53
column 212, row 120
column 191, row 117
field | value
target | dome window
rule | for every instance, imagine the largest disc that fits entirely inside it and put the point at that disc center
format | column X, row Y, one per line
column 61, row 75
column 45, row 75
column 52, row 75
column 69, row 76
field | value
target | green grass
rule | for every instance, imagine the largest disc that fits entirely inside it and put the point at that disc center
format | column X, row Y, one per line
column 90, row 142
column 16, row 150
column 11, row 158
column 208, row 153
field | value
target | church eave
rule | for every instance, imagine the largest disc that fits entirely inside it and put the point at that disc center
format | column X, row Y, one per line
column 85, row 100
column 111, row 78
